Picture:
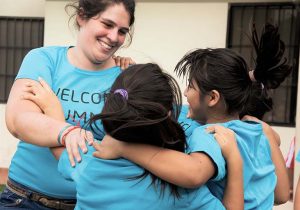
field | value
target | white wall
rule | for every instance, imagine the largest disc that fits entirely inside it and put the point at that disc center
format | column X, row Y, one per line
column 19, row 8
column 22, row 8
column 7, row 142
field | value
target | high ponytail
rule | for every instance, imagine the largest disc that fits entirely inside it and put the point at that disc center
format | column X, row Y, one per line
column 271, row 67
column 270, row 70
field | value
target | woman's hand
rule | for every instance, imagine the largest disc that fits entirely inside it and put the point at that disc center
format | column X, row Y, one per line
column 123, row 62
column 109, row 148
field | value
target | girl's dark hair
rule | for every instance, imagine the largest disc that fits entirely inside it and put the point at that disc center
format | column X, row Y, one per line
column 90, row 8
column 149, row 114
column 227, row 72
column 270, row 70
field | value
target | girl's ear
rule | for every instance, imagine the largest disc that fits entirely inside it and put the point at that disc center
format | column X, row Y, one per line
column 213, row 98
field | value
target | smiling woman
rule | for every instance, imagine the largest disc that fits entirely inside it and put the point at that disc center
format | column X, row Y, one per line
column 81, row 74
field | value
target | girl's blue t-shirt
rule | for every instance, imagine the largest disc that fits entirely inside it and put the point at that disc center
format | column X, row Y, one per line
column 258, row 169
column 110, row 185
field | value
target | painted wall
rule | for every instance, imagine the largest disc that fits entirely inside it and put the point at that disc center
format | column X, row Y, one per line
column 18, row 8
column 22, row 8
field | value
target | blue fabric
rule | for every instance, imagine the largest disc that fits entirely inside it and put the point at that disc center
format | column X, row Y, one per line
column 104, row 184
column 187, row 124
column 201, row 141
column 298, row 157
column 258, row 169
column 81, row 95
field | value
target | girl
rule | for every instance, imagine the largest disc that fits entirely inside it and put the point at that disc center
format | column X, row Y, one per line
column 142, row 107
column 220, row 87
column 80, row 76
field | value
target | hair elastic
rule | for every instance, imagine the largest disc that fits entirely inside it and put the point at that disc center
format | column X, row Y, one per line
column 122, row 92
column 251, row 75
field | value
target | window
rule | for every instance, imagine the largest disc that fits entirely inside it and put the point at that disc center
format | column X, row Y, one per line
column 287, row 17
column 17, row 37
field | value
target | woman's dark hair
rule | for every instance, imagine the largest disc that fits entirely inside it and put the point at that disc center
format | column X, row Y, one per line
column 147, row 113
column 90, row 8
column 227, row 72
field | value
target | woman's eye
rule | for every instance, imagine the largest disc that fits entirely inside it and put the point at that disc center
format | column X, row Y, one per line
column 123, row 32
column 107, row 25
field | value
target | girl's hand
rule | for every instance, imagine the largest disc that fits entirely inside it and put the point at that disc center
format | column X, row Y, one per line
column 226, row 139
column 123, row 62
column 109, row 148
column 43, row 96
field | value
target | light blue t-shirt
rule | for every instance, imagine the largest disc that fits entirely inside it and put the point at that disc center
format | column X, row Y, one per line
column 298, row 156
column 187, row 124
column 81, row 95
column 258, row 169
column 106, row 184
column 201, row 141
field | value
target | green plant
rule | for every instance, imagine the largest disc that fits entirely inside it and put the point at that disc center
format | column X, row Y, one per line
column 1, row 188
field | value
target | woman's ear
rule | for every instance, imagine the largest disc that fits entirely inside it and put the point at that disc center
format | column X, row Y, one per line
column 80, row 18
column 213, row 98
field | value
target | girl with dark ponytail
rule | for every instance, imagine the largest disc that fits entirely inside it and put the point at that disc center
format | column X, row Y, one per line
column 221, row 87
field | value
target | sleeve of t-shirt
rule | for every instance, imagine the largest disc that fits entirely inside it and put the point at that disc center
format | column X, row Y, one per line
column 37, row 63
column 298, row 156
column 201, row 141
column 187, row 124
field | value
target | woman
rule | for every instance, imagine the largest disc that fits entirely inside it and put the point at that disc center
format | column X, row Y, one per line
column 80, row 76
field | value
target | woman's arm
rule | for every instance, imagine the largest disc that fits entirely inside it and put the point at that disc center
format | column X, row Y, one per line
column 25, row 120
column 189, row 171
column 43, row 96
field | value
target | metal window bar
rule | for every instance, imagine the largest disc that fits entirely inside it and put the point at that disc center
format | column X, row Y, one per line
column 283, row 113
column 18, row 36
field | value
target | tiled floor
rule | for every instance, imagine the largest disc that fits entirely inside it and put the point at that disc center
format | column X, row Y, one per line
column 3, row 175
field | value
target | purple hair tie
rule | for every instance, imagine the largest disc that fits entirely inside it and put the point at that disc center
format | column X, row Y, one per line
column 122, row 92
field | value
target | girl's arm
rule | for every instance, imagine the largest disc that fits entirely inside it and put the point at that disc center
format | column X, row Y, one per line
column 43, row 96
column 189, row 171
column 25, row 120
column 282, row 186
column 297, row 196
column 234, row 191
